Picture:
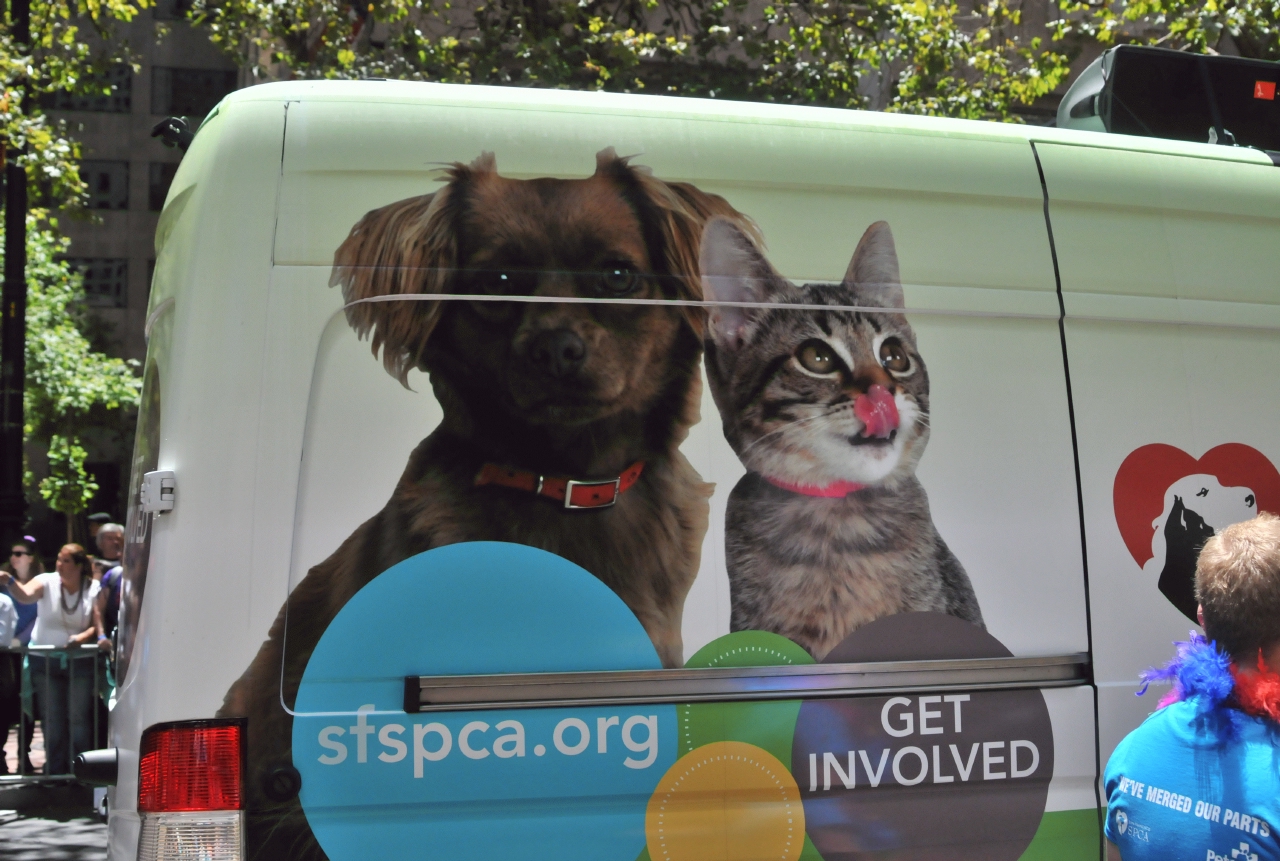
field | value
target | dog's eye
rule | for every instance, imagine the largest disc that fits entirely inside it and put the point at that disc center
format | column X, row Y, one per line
column 893, row 356
column 817, row 358
column 618, row 280
column 503, row 282
column 493, row 282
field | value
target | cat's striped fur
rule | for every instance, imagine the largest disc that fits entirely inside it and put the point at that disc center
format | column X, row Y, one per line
column 807, row 567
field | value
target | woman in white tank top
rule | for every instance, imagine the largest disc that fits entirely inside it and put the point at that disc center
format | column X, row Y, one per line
column 64, row 678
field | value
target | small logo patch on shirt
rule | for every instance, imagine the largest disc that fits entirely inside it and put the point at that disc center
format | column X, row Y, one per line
column 1243, row 852
column 1131, row 830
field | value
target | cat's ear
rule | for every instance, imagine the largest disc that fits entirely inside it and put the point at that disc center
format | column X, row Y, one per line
column 733, row 270
column 874, row 268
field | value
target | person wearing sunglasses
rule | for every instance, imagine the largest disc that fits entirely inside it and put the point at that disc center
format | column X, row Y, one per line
column 23, row 564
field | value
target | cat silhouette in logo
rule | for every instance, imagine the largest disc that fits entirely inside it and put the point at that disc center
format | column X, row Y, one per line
column 1195, row 507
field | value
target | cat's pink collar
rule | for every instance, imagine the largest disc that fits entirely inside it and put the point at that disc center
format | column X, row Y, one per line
column 835, row 490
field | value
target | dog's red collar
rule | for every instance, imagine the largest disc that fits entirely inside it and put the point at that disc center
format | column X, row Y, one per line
column 573, row 492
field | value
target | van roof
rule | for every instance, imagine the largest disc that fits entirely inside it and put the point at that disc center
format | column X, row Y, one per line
column 418, row 93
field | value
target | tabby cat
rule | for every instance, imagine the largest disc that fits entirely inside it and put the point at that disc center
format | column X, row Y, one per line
column 829, row 411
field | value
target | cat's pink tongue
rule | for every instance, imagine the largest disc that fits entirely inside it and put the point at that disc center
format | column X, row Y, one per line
column 877, row 412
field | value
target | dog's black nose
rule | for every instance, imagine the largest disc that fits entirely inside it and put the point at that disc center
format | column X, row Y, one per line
column 559, row 352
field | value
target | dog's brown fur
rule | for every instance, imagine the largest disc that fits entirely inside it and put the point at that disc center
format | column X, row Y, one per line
column 633, row 398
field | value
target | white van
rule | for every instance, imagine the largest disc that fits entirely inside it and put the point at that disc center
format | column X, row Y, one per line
column 528, row 605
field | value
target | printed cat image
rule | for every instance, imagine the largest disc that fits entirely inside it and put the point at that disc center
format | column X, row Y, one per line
column 829, row 411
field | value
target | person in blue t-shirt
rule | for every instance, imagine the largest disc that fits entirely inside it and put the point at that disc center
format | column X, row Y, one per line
column 24, row 564
column 1200, row 778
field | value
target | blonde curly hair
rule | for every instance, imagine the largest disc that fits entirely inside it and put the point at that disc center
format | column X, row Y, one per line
column 1238, row 587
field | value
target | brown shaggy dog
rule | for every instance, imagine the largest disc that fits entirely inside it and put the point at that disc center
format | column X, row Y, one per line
column 581, row 391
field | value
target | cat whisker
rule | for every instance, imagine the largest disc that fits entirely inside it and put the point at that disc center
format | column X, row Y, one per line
column 786, row 427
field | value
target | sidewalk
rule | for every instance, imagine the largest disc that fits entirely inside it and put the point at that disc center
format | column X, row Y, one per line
column 50, row 823
column 35, row 839
column 46, row 822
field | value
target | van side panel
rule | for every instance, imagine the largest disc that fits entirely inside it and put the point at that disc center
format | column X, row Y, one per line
column 288, row 436
column 968, row 226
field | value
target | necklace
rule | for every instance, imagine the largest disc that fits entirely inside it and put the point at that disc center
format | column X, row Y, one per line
column 62, row 597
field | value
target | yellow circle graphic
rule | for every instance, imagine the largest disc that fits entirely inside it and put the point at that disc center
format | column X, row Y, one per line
column 725, row 801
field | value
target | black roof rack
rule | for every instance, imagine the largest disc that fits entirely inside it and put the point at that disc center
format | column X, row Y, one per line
column 1156, row 92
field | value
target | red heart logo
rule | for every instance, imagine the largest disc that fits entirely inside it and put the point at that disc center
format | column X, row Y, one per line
column 1147, row 473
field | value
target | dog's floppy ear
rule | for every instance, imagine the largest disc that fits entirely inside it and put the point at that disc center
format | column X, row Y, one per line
column 407, row 247
column 673, row 214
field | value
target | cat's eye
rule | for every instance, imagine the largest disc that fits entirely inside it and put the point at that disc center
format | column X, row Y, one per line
column 618, row 279
column 893, row 356
column 816, row 357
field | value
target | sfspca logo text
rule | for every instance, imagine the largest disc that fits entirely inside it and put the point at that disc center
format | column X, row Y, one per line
column 1243, row 852
column 1130, row 829
column 434, row 741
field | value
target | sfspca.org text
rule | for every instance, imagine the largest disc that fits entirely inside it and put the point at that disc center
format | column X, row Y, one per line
column 433, row 741
column 911, row 764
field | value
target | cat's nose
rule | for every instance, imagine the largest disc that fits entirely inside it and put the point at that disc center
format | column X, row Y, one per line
column 877, row 411
column 558, row 352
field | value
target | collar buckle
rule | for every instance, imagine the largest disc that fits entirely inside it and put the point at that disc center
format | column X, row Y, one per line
column 614, row 483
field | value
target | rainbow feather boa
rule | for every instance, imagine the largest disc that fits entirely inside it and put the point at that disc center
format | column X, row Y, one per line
column 1202, row 672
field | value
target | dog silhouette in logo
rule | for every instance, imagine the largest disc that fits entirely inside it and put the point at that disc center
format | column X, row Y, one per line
column 1195, row 507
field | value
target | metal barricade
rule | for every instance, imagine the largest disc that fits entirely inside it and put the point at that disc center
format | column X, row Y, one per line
column 55, row 675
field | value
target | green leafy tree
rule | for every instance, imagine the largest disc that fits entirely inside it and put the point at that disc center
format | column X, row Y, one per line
column 70, row 386
column 73, row 42
column 1253, row 26
column 919, row 57
column 912, row 57
column 67, row 488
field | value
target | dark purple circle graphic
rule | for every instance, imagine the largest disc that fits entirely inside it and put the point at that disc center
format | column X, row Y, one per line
column 934, row 776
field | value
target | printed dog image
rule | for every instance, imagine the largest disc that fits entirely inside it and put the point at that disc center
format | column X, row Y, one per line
column 829, row 411
column 1195, row 508
column 541, row 400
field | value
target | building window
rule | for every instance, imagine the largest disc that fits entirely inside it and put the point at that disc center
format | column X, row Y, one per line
column 171, row 10
column 106, row 280
column 159, row 179
column 188, row 92
column 110, row 91
column 108, row 183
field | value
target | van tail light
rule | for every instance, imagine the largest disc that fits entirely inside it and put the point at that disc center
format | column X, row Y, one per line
column 191, row 792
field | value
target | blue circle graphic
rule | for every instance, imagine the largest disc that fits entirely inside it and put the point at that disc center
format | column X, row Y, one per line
column 565, row 783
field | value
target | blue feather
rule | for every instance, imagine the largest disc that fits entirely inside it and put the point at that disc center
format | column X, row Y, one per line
column 1200, row 670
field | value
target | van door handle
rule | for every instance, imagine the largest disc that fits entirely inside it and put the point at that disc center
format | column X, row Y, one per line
column 731, row 684
column 158, row 491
